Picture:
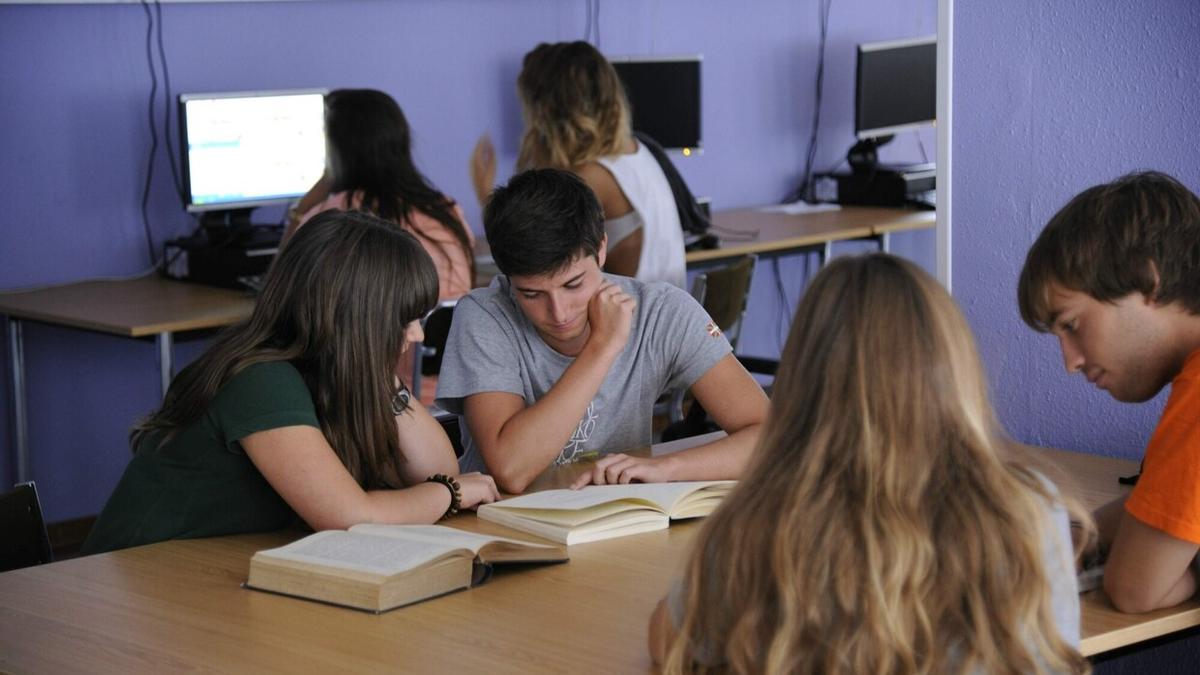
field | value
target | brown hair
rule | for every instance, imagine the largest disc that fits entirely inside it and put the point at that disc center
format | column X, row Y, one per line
column 574, row 107
column 334, row 304
column 884, row 525
column 1137, row 234
column 370, row 155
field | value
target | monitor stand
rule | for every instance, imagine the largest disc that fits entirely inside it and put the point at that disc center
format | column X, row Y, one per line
column 864, row 155
column 227, row 226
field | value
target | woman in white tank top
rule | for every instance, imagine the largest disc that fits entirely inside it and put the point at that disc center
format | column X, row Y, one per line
column 577, row 118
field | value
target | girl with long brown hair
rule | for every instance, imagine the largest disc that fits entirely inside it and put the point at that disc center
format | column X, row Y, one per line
column 886, row 525
column 298, row 411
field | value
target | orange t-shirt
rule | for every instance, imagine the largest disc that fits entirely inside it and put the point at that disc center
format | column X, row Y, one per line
column 1167, row 496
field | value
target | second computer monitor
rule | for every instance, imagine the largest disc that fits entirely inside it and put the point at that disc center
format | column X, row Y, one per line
column 896, row 86
column 664, row 93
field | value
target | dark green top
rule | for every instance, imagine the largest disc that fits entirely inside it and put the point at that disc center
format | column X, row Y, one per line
column 201, row 483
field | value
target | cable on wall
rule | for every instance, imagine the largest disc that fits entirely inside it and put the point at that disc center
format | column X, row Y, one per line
column 168, row 106
column 154, row 37
column 591, row 27
column 153, row 131
column 804, row 190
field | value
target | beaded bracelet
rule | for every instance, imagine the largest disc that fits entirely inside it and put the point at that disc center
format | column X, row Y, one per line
column 455, row 492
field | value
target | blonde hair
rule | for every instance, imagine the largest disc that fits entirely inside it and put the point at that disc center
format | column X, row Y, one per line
column 574, row 107
column 884, row 526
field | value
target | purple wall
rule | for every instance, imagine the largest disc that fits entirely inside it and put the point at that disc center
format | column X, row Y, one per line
column 74, row 138
column 1051, row 98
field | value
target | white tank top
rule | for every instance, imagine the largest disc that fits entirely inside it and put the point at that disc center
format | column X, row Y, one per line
column 642, row 180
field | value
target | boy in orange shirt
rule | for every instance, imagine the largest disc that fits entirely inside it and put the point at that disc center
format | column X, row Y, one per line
column 1115, row 276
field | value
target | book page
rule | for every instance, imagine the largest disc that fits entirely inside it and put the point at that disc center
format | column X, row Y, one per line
column 659, row 449
column 362, row 552
column 661, row 495
column 439, row 535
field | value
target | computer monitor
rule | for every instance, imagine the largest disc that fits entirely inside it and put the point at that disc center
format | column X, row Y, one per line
column 247, row 149
column 664, row 93
column 896, row 87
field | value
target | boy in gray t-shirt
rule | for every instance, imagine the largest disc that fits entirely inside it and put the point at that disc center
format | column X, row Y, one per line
column 557, row 361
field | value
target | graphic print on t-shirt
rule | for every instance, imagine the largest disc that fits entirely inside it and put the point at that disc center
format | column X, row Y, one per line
column 577, row 445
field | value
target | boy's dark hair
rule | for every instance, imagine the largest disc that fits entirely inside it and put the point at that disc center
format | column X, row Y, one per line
column 1110, row 240
column 542, row 221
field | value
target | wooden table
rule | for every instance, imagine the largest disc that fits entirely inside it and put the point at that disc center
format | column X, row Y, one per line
column 1093, row 480
column 772, row 232
column 768, row 231
column 179, row 605
column 135, row 308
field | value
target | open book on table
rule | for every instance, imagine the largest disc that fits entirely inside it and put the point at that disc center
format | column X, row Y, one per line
column 605, row 511
column 381, row 567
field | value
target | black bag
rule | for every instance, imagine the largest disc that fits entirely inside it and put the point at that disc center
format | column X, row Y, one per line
column 691, row 217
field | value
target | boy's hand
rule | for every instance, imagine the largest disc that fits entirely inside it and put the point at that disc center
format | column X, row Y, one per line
column 610, row 315
column 621, row 468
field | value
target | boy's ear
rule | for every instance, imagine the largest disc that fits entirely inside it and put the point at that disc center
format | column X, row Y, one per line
column 602, row 254
column 1152, row 298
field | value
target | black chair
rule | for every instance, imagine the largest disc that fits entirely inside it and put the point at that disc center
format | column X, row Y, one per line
column 449, row 422
column 427, row 357
column 22, row 529
column 723, row 292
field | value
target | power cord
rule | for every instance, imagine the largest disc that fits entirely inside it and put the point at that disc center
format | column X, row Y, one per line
column 591, row 29
column 153, row 132
column 804, row 190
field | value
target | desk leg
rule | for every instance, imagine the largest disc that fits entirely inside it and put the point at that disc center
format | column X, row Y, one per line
column 885, row 242
column 16, row 352
column 166, row 358
column 826, row 254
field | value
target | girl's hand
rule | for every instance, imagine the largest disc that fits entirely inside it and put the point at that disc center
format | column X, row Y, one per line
column 477, row 488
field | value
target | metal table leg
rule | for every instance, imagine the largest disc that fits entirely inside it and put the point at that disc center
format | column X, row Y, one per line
column 166, row 360
column 16, row 352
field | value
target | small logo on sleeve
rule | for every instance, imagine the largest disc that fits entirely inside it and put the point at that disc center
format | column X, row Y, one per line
column 713, row 329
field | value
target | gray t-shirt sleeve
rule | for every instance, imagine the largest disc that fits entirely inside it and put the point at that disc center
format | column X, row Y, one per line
column 684, row 335
column 480, row 356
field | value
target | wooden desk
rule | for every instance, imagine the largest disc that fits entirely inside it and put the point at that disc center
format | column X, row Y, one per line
column 148, row 306
column 1093, row 480
column 179, row 605
column 772, row 232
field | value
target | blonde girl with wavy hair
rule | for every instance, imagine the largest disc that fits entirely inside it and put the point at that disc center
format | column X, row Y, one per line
column 886, row 525
column 577, row 119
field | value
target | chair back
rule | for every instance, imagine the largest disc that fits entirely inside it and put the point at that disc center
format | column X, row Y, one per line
column 22, row 529
column 427, row 357
column 727, row 290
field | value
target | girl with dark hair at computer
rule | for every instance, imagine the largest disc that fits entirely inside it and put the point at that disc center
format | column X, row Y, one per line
column 885, row 525
column 577, row 119
column 369, row 167
column 298, row 411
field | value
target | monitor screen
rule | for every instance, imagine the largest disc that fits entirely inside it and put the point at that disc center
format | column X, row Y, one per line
column 664, row 94
column 896, row 87
column 247, row 149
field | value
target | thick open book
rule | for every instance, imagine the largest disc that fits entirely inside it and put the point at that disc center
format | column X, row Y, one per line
column 605, row 511
column 381, row 567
